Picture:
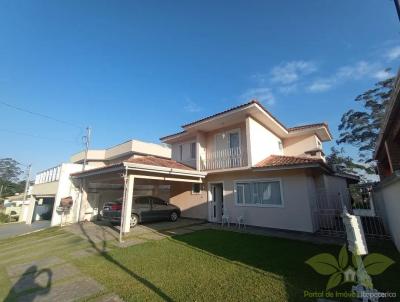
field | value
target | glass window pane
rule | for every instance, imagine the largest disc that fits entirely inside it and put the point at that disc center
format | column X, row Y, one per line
column 234, row 140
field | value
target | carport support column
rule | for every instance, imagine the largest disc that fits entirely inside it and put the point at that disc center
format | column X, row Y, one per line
column 128, row 204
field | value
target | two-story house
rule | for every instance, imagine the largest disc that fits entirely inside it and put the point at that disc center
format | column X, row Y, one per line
column 241, row 162
column 256, row 168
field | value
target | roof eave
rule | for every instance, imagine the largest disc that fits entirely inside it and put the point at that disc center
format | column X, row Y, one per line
column 290, row 167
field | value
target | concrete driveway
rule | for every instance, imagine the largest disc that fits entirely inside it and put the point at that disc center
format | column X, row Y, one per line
column 15, row 229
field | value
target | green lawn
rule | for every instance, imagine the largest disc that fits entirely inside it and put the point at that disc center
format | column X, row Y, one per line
column 208, row 265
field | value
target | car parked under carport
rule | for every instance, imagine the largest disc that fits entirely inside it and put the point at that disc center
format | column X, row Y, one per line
column 144, row 209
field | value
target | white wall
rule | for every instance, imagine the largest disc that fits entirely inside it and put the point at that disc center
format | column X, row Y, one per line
column 334, row 186
column 296, row 146
column 65, row 189
column 388, row 204
column 263, row 142
column 296, row 211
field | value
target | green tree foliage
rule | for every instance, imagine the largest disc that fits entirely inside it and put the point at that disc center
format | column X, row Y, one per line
column 361, row 128
column 9, row 170
column 346, row 164
column 9, row 177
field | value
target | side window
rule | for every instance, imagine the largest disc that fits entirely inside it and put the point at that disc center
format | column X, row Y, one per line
column 193, row 150
column 196, row 188
column 142, row 201
column 180, row 152
column 157, row 201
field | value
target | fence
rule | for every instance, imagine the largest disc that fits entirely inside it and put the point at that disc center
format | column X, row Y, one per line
column 328, row 220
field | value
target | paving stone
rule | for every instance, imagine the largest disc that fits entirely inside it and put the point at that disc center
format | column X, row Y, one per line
column 66, row 292
column 109, row 298
column 30, row 267
column 86, row 252
column 41, row 278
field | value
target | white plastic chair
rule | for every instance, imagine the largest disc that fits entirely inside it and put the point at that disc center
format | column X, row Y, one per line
column 241, row 221
column 225, row 219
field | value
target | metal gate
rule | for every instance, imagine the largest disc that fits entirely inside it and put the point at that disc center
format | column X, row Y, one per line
column 329, row 207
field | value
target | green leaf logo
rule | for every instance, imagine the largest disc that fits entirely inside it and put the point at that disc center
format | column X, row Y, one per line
column 343, row 258
column 376, row 264
column 324, row 264
column 339, row 271
column 334, row 280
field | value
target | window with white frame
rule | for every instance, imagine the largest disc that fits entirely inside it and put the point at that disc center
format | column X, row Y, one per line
column 180, row 152
column 259, row 193
column 193, row 150
column 196, row 188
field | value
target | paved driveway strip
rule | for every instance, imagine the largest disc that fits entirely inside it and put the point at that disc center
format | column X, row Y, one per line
column 16, row 229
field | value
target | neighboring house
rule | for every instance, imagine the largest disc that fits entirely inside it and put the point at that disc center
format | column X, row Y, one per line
column 256, row 168
column 387, row 154
column 16, row 206
column 52, row 185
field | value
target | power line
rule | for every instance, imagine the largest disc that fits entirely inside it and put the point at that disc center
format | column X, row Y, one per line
column 36, row 136
column 39, row 114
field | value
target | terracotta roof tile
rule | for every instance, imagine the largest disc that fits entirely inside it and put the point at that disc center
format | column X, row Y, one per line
column 235, row 108
column 284, row 161
column 160, row 162
column 296, row 128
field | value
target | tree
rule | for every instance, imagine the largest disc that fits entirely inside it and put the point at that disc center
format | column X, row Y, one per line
column 9, row 170
column 9, row 177
column 361, row 128
column 346, row 164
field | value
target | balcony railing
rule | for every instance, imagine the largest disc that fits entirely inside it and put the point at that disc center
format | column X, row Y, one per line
column 224, row 159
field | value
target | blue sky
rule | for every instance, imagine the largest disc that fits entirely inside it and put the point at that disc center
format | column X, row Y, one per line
column 140, row 69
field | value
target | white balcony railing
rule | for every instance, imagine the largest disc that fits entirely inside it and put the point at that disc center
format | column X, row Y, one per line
column 224, row 159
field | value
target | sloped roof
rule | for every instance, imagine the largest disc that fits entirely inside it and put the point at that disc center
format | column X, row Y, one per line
column 252, row 102
column 160, row 162
column 285, row 161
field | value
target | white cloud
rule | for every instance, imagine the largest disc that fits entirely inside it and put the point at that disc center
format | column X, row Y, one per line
column 320, row 86
column 382, row 74
column 357, row 71
column 393, row 53
column 262, row 94
column 191, row 106
column 291, row 72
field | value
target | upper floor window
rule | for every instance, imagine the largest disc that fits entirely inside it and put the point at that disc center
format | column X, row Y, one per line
column 180, row 152
column 234, row 141
column 193, row 150
column 280, row 146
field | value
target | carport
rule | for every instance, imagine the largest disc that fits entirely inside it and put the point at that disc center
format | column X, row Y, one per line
column 125, row 178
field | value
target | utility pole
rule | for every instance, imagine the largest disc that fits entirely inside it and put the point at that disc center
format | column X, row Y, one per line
column 28, row 175
column 87, row 144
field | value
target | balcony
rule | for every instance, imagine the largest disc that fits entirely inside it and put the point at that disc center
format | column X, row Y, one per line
column 224, row 159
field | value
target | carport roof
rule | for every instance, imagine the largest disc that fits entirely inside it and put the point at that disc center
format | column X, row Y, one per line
column 144, row 163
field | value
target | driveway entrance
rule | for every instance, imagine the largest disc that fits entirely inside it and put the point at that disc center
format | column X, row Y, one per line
column 17, row 229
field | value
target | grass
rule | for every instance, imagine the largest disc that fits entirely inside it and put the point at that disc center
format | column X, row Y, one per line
column 202, row 266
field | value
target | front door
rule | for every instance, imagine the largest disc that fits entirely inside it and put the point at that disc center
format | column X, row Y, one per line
column 216, row 203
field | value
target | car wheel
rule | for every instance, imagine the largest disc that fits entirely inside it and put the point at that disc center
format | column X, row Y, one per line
column 134, row 220
column 174, row 216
